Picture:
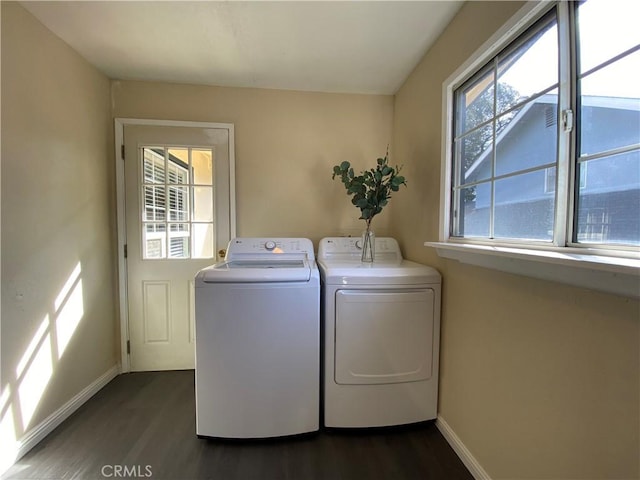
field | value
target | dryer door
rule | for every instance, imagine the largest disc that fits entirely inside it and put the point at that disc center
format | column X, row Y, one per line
column 383, row 336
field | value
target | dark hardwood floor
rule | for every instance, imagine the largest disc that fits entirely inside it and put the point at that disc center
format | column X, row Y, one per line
column 142, row 425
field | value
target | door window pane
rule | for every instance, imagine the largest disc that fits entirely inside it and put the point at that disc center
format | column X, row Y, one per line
column 170, row 203
column 153, row 165
column 202, row 240
column 179, row 240
column 202, row 204
column 178, row 166
column 178, row 204
column 154, row 240
column 155, row 204
column 202, row 164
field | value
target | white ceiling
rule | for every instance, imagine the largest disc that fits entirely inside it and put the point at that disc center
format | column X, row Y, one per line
column 328, row 46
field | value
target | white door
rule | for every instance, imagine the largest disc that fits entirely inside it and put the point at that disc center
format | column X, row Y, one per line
column 178, row 221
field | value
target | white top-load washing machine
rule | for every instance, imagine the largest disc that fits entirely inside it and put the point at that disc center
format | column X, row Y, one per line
column 381, row 335
column 258, row 340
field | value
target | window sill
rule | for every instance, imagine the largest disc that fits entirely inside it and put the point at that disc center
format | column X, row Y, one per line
column 617, row 275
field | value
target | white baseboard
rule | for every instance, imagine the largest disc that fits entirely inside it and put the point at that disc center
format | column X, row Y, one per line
column 465, row 455
column 44, row 428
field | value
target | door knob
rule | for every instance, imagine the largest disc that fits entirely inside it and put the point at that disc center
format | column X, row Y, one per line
column 222, row 252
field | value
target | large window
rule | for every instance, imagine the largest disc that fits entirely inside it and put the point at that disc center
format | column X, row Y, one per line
column 545, row 139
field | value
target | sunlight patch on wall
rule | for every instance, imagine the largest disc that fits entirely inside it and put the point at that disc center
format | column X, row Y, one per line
column 69, row 309
column 21, row 396
column 64, row 292
column 10, row 445
column 35, row 380
column 29, row 353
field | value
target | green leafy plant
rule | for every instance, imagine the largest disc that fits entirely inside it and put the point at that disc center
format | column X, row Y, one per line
column 371, row 190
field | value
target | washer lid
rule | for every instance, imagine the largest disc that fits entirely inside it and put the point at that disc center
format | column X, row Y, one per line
column 282, row 269
column 355, row 272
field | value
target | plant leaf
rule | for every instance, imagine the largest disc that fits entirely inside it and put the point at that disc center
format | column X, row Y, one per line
column 397, row 180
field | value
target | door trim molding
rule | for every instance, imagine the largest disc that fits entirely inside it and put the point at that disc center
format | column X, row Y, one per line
column 119, row 125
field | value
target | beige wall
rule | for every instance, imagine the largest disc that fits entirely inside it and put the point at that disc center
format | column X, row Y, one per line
column 57, row 189
column 286, row 145
column 538, row 380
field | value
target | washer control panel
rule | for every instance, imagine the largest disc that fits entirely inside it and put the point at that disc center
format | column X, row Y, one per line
column 269, row 246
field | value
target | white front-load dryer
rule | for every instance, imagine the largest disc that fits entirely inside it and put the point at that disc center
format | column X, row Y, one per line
column 381, row 325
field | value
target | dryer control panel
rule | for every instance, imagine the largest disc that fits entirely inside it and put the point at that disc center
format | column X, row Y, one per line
column 334, row 247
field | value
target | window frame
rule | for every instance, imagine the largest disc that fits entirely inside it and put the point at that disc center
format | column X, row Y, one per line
column 502, row 40
column 504, row 47
column 178, row 205
column 609, row 269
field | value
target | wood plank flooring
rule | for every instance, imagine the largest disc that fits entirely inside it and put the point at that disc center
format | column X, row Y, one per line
column 142, row 425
